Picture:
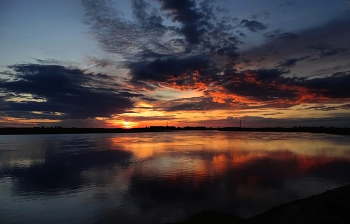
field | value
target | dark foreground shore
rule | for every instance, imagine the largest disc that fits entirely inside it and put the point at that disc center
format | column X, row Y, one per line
column 330, row 207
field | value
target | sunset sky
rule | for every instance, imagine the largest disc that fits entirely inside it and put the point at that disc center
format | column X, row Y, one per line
column 137, row 63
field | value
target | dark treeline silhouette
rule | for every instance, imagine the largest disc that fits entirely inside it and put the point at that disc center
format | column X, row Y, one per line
column 320, row 129
column 74, row 130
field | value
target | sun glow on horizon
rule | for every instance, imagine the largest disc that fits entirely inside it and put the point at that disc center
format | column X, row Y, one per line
column 121, row 123
column 129, row 124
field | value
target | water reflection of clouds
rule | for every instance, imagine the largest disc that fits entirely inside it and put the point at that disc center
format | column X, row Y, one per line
column 258, row 166
column 226, row 189
column 148, row 145
column 179, row 172
column 67, row 164
column 63, row 172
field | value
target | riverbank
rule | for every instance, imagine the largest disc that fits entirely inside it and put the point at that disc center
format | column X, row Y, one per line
column 324, row 130
column 332, row 206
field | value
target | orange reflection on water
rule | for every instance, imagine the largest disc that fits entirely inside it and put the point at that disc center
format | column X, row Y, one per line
column 186, row 157
column 140, row 149
column 283, row 164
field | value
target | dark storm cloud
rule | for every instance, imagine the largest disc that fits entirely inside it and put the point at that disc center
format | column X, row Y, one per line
column 322, row 108
column 288, row 62
column 269, row 114
column 287, row 36
column 330, row 39
column 201, row 49
column 118, row 35
column 263, row 85
column 230, row 50
column 335, row 86
column 139, row 11
column 194, row 20
column 253, row 25
column 345, row 106
column 328, row 70
column 268, row 74
column 271, row 85
column 189, row 106
column 167, row 69
column 101, row 63
column 325, row 50
column 195, row 104
column 163, row 53
column 291, row 61
column 327, row 108
column 278, row 34
column 258, row 85
column 57, row 89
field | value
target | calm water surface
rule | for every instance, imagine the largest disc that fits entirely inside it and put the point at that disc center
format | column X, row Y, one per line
column 161, row 177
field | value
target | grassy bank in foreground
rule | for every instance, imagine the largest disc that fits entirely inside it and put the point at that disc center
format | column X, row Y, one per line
column 329, row 207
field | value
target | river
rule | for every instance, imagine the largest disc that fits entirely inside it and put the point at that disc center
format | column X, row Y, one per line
column 161, row 177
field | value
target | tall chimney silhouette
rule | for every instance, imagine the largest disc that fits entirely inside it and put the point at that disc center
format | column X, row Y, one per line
column 240, row 123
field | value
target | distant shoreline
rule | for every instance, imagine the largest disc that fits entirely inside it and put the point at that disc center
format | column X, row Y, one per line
column 324, row 130
column 59, row 130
